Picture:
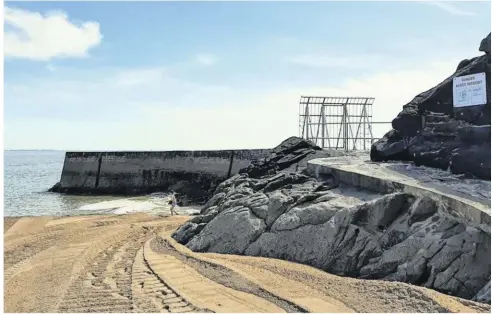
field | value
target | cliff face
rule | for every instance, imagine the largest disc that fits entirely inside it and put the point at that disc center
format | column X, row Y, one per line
column 286, row 214
column 430, row 132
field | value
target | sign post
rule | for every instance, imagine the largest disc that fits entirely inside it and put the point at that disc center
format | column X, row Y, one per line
column 469, row 90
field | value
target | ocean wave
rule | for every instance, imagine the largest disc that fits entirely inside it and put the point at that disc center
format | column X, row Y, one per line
column 152, row 203
column 120, row 206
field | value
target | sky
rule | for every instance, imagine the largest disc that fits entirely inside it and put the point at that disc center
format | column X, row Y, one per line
column 216, row 75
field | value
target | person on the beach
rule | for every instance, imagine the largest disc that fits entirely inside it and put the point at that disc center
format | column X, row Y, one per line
column 174, row 202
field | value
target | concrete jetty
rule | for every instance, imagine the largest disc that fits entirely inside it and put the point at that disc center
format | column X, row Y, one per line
column 193, row 172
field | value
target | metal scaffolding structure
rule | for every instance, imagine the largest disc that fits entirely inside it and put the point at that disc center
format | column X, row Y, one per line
column 337, row 122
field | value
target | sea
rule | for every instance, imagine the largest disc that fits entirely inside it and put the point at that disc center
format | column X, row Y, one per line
column 29, row 174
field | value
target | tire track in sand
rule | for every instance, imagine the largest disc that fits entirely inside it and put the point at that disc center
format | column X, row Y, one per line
column 19, row 267
column 9, row 222
column 291, row 295
column 105, row 281
column 225, row 276
column 201, row 291
column 151, row 294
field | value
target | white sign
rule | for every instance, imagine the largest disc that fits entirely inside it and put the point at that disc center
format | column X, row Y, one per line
column 469, row 90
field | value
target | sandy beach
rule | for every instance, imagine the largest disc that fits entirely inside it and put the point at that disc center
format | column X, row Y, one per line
column 128, row 263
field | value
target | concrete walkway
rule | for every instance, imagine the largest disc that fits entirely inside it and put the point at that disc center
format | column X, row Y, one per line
column 466, row 198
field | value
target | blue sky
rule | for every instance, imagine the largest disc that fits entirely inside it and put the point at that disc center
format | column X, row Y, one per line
column 216, row 75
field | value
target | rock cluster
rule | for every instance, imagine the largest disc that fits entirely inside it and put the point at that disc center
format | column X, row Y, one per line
column 289, row 152
column 430, row 132
column 289, row 215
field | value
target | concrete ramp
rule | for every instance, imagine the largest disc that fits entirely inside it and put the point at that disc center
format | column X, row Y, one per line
column 461, row 197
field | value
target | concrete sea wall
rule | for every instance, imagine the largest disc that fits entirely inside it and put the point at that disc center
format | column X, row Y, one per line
column 189, row 172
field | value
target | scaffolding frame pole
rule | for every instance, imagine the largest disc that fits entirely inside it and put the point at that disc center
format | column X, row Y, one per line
column 321, row 117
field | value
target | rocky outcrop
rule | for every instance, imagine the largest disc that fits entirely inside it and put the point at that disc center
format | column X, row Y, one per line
column 394, row 237
column 289, row 152
column 431, row 132
column 289, row 215
column 485, row 44
column 484, row 294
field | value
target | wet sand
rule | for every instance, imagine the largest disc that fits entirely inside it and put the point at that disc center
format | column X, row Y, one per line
column 129, row 263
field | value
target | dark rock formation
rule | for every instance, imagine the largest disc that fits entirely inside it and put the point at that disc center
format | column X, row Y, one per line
column 289, row 152
column 431, row 132
column 289, row 215
column 485, row 44
column 484, row 294
column 394, row 237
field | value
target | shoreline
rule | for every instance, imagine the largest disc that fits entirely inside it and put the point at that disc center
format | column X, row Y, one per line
column 76, row 205
column 88, row 213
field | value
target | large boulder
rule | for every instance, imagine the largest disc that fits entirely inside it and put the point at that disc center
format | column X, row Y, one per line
column 431, row 132
column 231, row 232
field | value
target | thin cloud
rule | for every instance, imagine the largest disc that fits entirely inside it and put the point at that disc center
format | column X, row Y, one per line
column 206, row 59
column 449, row 7
column 333, row 61
column 138, row 76
column 32, row 35
column 51, row 68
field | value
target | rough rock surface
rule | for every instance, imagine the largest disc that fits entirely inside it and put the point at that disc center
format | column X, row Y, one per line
column 484, row 294
column 289, row 152
column 485, row 44
column 431, row 132
column 291, row 216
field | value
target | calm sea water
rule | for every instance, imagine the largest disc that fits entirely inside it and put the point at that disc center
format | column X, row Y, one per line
column 29, row 174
